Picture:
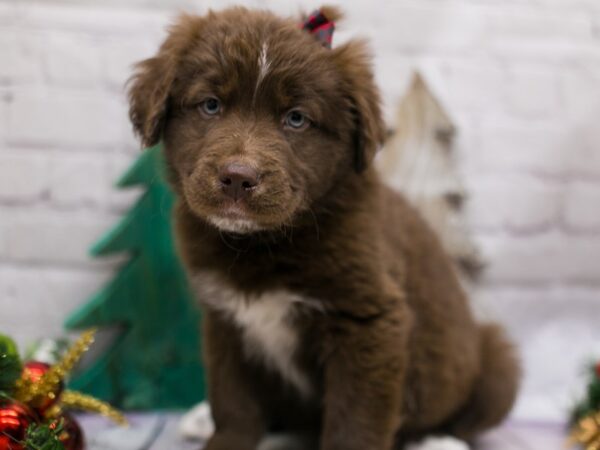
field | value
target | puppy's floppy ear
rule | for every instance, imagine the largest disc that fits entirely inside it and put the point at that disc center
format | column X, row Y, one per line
column 354, row 61
column 150, row 86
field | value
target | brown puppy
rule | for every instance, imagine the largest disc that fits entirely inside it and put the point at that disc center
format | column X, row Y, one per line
column 329, row 306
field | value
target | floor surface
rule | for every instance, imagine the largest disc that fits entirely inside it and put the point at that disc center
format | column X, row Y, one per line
column 159, row 432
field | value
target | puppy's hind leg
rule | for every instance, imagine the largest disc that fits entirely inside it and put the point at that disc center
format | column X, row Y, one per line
column 495, row 392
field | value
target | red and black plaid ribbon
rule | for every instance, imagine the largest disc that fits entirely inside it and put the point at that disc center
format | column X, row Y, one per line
column 321, row 27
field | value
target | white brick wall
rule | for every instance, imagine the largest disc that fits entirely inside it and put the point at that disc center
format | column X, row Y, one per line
column 49, row 117
column 521, row 77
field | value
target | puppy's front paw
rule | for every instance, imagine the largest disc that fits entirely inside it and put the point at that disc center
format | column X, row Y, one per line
column 197, row 423
column 288, row 442
column 440, row 443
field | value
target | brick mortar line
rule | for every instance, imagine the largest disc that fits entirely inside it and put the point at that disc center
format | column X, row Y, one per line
column 548, row 288
column 514, row 232
column 54, row 269
column 546, row 284
column 19, row 145
column 569, row 176
column 94, row 264
column 58, row 207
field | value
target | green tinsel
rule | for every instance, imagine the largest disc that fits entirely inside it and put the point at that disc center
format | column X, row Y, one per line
column 10, row 364
column 591, row 403
column 42, row 437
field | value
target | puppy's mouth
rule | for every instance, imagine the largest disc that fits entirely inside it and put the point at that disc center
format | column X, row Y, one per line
column 263, row 205
column 234, row 218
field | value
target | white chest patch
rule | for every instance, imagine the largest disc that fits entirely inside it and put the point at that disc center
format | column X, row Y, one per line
column 266, row 322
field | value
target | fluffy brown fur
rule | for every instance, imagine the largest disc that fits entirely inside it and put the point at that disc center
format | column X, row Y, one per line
column 329, row 306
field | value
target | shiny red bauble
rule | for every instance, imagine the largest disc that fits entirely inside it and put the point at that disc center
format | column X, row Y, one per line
column 33, row 371
column 14, row 420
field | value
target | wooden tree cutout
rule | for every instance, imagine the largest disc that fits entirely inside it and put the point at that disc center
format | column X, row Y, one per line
column 418, row 161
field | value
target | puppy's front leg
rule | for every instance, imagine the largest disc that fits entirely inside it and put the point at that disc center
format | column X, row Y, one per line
column 364, row 377
column 239, row 423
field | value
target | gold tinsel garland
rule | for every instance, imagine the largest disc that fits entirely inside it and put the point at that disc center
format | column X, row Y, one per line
column 77, row 400
column 586, row 432
column 49, row 386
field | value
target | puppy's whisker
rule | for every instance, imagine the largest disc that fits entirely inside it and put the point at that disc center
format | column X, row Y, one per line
column 315, row 221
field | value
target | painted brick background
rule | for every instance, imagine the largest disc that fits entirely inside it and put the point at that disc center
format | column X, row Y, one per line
column 520, row 77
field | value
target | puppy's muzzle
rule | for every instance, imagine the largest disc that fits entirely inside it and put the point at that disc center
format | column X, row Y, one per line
column 238, row 180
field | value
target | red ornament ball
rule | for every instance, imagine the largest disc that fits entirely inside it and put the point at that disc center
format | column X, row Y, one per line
column 598, row 370
column 71, row 436
column 14, row 420
column 33, row 371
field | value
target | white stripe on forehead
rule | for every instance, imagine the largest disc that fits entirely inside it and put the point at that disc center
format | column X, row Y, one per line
column 263, row 65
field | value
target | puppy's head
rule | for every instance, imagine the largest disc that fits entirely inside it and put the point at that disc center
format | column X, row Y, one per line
column 258, row 118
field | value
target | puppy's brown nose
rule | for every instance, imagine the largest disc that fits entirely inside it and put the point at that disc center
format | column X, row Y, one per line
column 238, row 180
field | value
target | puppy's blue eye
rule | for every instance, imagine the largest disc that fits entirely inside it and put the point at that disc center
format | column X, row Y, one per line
column 295, row 119
column 211, row 106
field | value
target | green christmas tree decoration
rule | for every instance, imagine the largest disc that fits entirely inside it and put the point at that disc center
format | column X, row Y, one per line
column 155, row 361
